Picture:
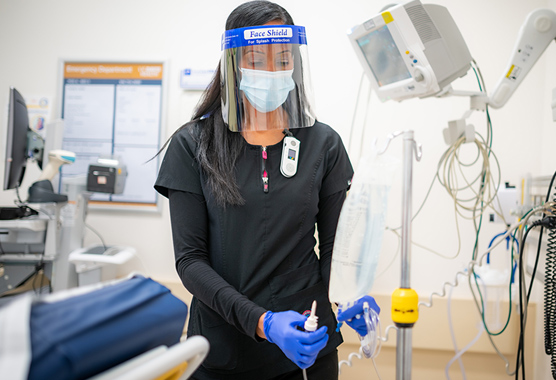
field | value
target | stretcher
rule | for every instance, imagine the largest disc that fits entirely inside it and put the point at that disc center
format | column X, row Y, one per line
column 125, row 329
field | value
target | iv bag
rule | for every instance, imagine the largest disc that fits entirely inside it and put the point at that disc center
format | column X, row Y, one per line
column 360, row 229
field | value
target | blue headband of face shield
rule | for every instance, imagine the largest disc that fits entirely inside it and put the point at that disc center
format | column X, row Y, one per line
column 266, row 86
column 264, row 35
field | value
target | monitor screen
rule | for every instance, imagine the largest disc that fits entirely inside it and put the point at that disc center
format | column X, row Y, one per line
column 383, row 56
column 16, row 141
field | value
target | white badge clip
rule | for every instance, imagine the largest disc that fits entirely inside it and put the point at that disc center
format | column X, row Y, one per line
column 290, row 156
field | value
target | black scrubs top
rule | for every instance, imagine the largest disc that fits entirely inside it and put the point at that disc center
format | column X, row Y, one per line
column 241, row 261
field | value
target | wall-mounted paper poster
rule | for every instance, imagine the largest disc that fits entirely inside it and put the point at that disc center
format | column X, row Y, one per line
column 114, row 109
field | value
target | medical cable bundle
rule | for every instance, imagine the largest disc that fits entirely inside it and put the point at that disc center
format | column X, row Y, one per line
column 549, row 284
column 549, row 208
column 550, row 298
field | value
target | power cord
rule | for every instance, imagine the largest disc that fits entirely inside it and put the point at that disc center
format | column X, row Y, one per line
column 98, row 235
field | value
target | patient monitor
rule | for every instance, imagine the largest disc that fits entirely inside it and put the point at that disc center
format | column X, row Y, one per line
column 416, row 50
column 410, row 50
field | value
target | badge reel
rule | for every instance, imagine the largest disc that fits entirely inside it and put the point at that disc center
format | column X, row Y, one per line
column 290, row 156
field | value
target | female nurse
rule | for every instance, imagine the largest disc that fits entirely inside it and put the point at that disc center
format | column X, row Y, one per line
column 249, row 179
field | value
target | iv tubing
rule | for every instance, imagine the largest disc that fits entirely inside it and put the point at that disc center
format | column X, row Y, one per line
column 359, row 355
column 458, row 355
column 471, row 264
column 453, row 335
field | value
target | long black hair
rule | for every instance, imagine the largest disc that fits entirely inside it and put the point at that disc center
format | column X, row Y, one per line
column 218, row 147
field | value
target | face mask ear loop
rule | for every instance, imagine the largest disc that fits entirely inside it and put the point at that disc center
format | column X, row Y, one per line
column 287, row 132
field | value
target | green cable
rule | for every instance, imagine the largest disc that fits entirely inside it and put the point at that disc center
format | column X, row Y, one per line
column 483, row 303
column 489, row 122
column 509, row 294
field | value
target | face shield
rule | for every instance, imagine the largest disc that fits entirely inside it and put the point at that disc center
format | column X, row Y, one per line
column 265, row 78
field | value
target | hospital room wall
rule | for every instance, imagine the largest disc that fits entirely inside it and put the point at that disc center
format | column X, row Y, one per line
column 35, row 35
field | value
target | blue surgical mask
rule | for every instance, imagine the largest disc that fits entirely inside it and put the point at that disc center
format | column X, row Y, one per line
column 266, row 90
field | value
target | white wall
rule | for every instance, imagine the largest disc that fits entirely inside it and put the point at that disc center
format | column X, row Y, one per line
column 35, row 34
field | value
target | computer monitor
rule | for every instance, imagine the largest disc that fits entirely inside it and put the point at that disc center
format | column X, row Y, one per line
column 410, row 50
column 16, row 141
column 21, row 142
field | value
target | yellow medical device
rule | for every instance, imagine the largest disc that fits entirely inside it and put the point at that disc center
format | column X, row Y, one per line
column 405, row 307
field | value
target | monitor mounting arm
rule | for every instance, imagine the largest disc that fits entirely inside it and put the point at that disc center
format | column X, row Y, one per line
column 536, row 33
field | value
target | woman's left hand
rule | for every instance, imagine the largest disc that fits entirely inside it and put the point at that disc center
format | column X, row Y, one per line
column 353, row 315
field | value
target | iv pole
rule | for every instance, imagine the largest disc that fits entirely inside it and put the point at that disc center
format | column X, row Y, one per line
column 405, row 302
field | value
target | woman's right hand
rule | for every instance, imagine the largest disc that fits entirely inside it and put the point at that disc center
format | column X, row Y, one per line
column 301, row 347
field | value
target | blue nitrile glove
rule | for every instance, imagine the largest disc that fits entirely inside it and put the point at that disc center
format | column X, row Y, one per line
column 301, row 347
column 350, row 315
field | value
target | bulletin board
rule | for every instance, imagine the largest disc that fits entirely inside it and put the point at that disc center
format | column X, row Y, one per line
column 114, row 108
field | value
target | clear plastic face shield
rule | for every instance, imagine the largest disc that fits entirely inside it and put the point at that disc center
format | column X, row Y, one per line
column 265, row 78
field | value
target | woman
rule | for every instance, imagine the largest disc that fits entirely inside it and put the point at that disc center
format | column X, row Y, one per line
column 247, row 180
